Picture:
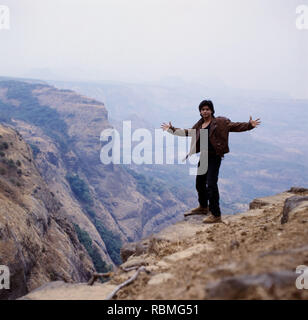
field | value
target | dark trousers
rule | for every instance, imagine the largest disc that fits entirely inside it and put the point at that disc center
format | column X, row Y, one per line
column 206, row 185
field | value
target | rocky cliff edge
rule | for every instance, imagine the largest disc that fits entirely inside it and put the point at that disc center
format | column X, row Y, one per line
column 37, row 242
column 251, row 255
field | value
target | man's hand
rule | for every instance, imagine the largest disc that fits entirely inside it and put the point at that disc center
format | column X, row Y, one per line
column 166, row 126
column 254, row 123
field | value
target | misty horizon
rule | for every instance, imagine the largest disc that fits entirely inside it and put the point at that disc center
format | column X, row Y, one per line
column 251, row 45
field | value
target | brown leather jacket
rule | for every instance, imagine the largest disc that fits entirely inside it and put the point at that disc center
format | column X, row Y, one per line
column 218, row 134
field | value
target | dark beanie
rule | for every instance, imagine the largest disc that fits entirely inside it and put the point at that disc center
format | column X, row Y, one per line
column 207, row 103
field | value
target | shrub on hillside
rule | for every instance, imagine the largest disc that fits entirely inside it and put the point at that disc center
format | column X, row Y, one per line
column 80, row 189
column 112, row 241
column 85, row 240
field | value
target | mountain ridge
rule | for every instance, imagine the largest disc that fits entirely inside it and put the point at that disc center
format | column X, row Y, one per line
column 107, row 202
column 37, row 242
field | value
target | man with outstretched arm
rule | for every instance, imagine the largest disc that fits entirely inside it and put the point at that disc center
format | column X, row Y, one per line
column 218, row 136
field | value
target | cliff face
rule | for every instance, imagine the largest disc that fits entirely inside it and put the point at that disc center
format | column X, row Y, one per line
column 118, row 202
column 251, row 255
column 37, row 242
column 110, row 204
column 261, row 162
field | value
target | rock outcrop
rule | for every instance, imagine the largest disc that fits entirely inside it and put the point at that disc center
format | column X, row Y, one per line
column 37, row 242
column 251, row 255
column 109, row 201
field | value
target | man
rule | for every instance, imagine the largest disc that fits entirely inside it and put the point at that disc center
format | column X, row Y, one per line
column 218, row 135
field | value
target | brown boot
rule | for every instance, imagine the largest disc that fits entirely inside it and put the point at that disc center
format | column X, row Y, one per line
column 212, row 219
column 198, row 210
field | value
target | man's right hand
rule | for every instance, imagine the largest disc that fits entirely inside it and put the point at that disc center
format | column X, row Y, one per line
column 166, row 126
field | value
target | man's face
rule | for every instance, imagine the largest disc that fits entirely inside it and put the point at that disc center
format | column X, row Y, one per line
column 206, row 112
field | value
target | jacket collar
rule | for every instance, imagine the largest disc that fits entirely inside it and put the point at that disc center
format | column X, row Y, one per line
column 212, row 127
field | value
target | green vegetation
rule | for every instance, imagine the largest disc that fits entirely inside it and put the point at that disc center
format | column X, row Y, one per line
column 15, row 182
column 2, row 154
column 146, row 185
column 50, row 121
column 85, row 240
column 90, row 211
column 113, row 242
column 11, row 163
column 4, row 146
column 31, row 111
column 35, row 150
column 80, row 189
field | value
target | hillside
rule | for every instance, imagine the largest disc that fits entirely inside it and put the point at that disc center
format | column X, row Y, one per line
column 251, row 255
column 110, row 204
column 261, row 162
column 37, row 242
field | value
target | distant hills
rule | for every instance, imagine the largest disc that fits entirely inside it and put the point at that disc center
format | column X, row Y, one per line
column 261, row 162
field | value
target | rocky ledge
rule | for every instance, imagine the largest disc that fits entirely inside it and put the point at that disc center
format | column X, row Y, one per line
column 251, row 255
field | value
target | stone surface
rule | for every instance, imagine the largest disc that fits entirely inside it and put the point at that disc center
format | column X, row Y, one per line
column 133, row 248
column 160, row 278
column 75, row 148
column 179, row 231
column 199, row 264
column 239, row 287
column 37, row 242
column 134, row 261
column 298, row 190
column 184, row 254
column 66, row 291
column 127, row 250
column 250, row 256
column 261, row 203
column 295, row 202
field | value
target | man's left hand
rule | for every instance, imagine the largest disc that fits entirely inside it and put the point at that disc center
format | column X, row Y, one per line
column 254, row 123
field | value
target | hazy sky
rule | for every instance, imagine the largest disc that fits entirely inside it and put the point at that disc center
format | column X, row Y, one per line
column 242, row 43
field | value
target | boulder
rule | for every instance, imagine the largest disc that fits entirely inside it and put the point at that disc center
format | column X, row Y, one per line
column 257, row 204
column 133, row 248
column 298, row 190
column 240, row 287
column 290, row 204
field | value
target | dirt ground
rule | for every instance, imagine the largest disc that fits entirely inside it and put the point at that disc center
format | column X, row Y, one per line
column 251, row 255
column 248, row 256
